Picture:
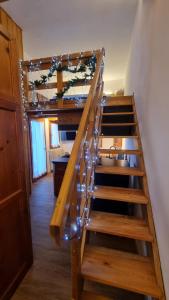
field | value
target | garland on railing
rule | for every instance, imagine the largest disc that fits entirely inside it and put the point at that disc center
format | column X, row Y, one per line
column 88, row 67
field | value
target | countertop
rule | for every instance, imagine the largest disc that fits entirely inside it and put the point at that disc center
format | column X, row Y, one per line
column 60, row 160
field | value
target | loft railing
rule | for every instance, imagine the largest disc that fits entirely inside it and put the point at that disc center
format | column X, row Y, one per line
column 72, row 212
column 57, row 83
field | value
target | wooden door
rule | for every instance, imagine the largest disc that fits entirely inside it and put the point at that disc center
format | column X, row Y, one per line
column 15, row 233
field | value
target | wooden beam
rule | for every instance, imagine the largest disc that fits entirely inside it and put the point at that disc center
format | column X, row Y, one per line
column 54, row 85
column 64, row 57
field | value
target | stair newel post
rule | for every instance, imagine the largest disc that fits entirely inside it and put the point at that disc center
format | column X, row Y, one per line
column 77, row 281
column 60, row 86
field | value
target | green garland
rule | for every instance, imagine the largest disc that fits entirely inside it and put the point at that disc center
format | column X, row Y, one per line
column 88, row 67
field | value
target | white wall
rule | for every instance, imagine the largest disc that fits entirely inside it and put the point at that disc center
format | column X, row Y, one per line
column 67, row 146
column 114, row 85
column 148, row 78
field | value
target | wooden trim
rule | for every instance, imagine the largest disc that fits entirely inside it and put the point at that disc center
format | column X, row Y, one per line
column 65, row 57
column 6, row 103
column 10, row 99
column 5, row 33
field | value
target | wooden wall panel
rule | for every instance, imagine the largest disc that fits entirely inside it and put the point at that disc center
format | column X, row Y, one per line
column 16, row 53
column 6, row 84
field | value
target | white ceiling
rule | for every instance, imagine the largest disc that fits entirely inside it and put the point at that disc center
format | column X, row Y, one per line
column 63, row 26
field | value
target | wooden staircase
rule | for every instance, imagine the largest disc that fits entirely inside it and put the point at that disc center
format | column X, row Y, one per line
column 103, row 208
column 137, row 272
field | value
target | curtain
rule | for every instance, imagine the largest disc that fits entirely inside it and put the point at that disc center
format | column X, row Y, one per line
column 54, row 135
column 38, row 148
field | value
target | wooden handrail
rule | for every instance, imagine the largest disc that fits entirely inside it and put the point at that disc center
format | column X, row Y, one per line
column 63, row 203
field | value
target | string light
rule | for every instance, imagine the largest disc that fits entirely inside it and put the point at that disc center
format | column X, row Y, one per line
column 90, row 154
column 83, row 187
column 66, row 237
column 103, row 101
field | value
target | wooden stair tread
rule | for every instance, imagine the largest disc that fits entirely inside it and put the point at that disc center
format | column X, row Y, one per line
column 118, row 101
column 117, row 124
column 119, row 151
column 120, row 269
column 120, row 194
column 119, row 225
column 119, row 170
column 118, row 113
column 92, row 296
column 119, row 136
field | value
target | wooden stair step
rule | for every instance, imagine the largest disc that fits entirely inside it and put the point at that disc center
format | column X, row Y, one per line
column 118, row 113
column 119, row 151
column 120, row 194
column 118, row 101
column 117, row 124
column 118, row 136
column 120, row 269
column 119, row 170
column 119, row 225
column 92, row 296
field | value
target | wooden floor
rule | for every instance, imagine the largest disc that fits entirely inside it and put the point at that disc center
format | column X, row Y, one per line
column 49, row 277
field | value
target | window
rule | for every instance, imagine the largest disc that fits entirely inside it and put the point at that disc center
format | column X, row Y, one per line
column 54, row 135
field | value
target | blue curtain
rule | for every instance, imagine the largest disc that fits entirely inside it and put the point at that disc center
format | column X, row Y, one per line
column 38, row 148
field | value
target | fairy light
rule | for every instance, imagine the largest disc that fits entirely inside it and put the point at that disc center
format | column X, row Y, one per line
column 24, row 99
column 66, row 237
column 74, row 227
column 85, row 189
column 77, row 167
column 103, row 101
